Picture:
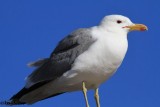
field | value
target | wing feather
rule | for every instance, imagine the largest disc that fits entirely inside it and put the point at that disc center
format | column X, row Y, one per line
column 62, row 57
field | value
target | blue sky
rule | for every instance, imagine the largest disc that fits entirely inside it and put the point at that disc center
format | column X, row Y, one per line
column 30, row 29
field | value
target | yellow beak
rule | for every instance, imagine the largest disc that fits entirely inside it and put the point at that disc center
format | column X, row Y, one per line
column 139, row 27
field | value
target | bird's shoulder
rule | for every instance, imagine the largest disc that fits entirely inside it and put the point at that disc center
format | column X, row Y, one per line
column 74, row 41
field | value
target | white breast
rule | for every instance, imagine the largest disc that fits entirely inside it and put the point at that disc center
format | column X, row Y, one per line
column 102, row 59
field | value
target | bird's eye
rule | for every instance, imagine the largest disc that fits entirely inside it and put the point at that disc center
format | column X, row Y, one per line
column 119, row 21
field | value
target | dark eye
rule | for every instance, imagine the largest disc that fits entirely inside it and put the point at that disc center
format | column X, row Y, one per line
column 119, row 21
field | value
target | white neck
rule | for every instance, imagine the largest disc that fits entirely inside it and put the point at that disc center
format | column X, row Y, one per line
column 114, row 44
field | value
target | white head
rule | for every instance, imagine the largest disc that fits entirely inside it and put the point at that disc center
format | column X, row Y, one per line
column 119, row 23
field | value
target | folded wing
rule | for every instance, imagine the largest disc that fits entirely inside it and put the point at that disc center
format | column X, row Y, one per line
column 61, row 58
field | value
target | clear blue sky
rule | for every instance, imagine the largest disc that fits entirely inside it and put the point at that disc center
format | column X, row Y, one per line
column 30, row 29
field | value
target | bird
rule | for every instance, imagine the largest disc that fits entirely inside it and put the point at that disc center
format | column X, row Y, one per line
column 81, row 61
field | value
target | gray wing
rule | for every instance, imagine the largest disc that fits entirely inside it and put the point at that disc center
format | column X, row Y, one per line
column 62, row 57
column 38, row 63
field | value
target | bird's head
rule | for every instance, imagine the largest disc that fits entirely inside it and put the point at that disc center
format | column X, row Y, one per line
column 119, row 23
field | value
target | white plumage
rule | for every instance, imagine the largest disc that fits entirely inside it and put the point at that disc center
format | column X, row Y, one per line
column 98, row 63
column 92, row 67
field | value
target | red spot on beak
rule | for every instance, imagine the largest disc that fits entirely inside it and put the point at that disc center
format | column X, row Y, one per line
column 142, row 29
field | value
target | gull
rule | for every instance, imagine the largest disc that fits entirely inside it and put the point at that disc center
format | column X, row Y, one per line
column 82, row 61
